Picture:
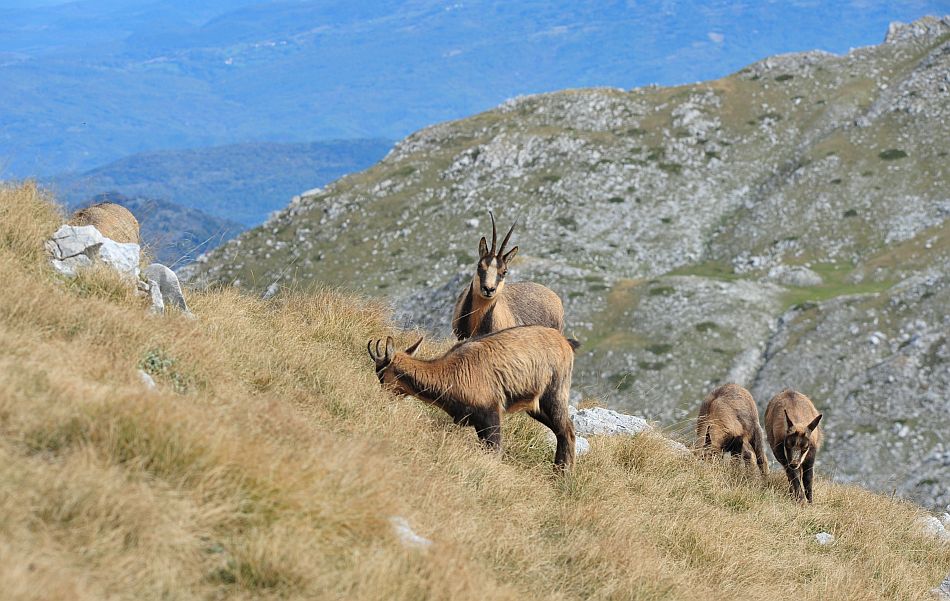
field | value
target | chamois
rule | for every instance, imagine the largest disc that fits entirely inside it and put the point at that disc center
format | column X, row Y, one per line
column 113, row 221
column 488, row 305
column 525, row 368
column 791, row 424
column 729, row 421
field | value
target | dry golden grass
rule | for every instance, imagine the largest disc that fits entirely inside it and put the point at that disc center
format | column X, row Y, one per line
column 267, row 463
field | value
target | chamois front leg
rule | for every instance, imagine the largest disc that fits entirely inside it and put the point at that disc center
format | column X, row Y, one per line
column 808, row 473
column 795, row 483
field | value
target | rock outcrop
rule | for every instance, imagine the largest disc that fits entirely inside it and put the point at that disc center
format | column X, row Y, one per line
column 74, row 247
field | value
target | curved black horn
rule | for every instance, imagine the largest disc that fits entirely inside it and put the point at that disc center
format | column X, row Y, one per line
column 494, row 234
column 369, row 349
column 378, row 353
column 504, row 242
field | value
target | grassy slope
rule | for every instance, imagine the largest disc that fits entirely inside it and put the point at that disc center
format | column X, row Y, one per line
column 267, row 463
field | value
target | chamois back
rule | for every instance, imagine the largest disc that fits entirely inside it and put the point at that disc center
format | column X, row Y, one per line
column 113, row 221
column 729, row 422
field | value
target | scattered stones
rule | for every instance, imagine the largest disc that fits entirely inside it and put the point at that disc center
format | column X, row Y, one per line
column 933, row 527
column 407, row 535
column 73, row 247
column 147, row 380
column 942, row 593
column 794, row 276
column 600, row 421
column 824, row 538
column 168, row 285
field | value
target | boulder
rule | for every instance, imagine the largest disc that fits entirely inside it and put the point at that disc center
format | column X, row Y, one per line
column 406, row 535
column 73, row 247
column 168, row 285
column 597, row 420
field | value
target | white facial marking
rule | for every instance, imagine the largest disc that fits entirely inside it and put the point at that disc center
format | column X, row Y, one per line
column 491, row 274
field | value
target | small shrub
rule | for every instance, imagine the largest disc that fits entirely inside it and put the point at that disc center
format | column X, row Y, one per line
column 836, row 181
column 850, row 213
column 662, row 291
column 705, row 326
column 784, row 77
column 672, row 168
column 892, row 154
column 660, row 348
column 616, row 200
column 157, row 362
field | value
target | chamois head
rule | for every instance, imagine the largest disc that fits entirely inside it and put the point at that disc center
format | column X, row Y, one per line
column 493, row 266
column 798, row 440
column 384, row 360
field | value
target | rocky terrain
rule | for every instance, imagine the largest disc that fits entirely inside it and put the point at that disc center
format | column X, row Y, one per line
column 785, row 226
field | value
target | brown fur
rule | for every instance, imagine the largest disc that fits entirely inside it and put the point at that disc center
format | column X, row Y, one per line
column 791, row 424
column 729, row 421
column 113, row 221
column 523, row 303
column 525, row 368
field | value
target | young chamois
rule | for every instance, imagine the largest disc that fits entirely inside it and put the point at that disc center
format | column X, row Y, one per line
column 729, row 421
column 488, row 305
column 113, row 221
column 791, row 424
column 525, row 368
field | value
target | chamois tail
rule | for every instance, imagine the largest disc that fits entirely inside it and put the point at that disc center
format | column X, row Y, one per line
column 575, row 344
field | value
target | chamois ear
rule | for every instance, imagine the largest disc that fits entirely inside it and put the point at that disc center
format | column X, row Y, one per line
column 390, row 349
column 415, row 347
column 814, row 423
column 508, row 256
column 482, row 247
column 788, row 421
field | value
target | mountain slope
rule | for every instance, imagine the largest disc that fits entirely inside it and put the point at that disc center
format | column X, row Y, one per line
column 687, row 229
column 238, row 182
column 267, row 463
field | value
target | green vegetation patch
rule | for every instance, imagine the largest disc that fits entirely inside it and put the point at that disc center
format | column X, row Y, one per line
column 892, row 154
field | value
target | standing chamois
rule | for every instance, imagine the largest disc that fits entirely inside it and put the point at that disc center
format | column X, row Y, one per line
column 526, row 368
column 729, row 422
column 488, row 305
column 791, row 424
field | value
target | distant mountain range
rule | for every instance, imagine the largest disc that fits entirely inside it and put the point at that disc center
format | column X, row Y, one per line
column 85, row 83
column 235, row 183
column 787, row 225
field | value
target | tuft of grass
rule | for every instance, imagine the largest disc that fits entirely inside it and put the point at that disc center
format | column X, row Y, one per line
column 276, row 475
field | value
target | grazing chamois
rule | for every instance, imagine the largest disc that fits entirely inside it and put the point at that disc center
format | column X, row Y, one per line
column 729, row 421
column 791, row 424
column 113, row 221
column 525, row 368
column 488, row 305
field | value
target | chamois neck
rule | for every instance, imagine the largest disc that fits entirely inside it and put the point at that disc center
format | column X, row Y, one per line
column 428, row 380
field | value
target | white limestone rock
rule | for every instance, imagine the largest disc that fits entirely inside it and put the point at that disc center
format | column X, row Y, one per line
column 73, row 247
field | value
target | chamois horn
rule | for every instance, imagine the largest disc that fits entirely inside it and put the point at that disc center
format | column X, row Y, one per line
column 504, row 242
column 494, row 233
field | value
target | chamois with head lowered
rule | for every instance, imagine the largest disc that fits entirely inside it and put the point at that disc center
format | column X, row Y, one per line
column 729, row 422
column 487, row 304
column 526, row 368
column 791, row 424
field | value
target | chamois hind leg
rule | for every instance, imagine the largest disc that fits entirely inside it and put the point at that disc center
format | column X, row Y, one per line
column 759, row 446
column 487, row 425
column 553, row 405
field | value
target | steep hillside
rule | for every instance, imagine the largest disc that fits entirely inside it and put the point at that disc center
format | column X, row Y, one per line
column 238, row 182
column 783, row 226
column 172, row 234
column 265, row 462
